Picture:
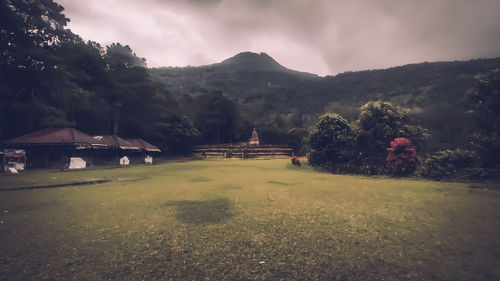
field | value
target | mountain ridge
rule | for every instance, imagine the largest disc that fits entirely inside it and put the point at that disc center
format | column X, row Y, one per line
column 250, row 58
column 434, row 91
column 247, row 74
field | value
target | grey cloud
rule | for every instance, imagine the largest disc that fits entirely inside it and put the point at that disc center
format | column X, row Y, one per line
column 422, row 31
column 318, row 36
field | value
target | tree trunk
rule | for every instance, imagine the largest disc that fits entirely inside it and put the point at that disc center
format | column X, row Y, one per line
column 116, row 122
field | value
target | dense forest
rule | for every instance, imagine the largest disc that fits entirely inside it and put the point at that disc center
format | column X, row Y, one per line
column 50, row 77
column 275, row 99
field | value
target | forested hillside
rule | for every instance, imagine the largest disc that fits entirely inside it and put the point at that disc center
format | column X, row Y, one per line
column 273, row 97
column 50, row 77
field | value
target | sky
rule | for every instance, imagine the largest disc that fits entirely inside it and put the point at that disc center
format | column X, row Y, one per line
column 324, row 37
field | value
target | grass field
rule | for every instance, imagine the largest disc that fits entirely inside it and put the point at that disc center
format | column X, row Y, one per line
column 244, row 220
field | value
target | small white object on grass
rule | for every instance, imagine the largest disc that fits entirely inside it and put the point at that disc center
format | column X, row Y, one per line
column 262, row 262
column 77, row 163
column 124, row 160
column 12, row 170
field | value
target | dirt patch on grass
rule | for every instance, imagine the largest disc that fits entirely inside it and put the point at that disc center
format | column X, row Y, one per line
column 228, row 187
column 202, row 212
column 89, row 182
column 28, row 208
column 493, row 186
column 132, row 179
column 281, row 183
column 199, row 179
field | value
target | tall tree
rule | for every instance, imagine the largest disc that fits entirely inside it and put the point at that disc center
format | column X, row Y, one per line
column 217, row 118
column 379, row 123
column 297, row 139
column 485, row 106
column 127, row 79
column 329, row 142
column 30, row 32
column 29, row 28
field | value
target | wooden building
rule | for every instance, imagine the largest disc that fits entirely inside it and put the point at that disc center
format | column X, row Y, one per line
column 52, row 147
column 148, row 151
column 112, row 150
column 57, row 147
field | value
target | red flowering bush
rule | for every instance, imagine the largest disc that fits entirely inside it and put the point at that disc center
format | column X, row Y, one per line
column 296, row 161
column 402, row 158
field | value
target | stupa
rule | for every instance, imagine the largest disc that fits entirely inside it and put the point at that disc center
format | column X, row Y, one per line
column 254, row 140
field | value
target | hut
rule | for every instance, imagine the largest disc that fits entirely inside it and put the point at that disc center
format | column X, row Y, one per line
column 112, row 149
column 254, row 140
column 52, row 147
column 147, row 151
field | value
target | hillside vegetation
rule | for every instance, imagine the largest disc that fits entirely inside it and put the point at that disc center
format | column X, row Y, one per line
column 53, row 78
column 271, row 95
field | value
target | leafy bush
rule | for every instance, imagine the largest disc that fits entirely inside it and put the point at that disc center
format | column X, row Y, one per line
column 329, row 142
column 297, row 140
column 453, row 164
column 402, row 158
column 379, row 123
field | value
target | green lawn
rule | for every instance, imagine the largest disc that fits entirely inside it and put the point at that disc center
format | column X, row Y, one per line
column 244, row 220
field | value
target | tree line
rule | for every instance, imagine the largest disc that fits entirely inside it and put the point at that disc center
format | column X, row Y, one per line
column 50, row 77
column 385, row 140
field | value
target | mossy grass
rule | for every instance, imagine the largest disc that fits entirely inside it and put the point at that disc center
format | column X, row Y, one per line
column 245, row 220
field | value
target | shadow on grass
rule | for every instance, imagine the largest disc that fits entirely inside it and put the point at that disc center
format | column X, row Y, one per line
column 202, row 212
column 90, row 182
column 199, row 179
column 225, row 187
column 132, row 178
column 282, row 183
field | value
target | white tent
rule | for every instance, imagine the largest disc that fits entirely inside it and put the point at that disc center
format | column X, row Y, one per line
column 124, row 160
column 77, row 163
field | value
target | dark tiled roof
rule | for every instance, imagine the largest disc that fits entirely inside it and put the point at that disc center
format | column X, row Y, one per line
column 53, row 136
column 144, row 145
column 114, row 142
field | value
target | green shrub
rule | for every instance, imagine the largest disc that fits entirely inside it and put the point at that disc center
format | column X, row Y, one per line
column 453, row 164
column 329, row 142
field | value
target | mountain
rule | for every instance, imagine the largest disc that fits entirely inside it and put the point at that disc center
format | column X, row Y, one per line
column 248, row 61
column 241, row 76
column 268, row 93
column 249, row 77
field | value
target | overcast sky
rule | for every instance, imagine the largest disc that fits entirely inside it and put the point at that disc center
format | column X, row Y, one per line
column 317, row 36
